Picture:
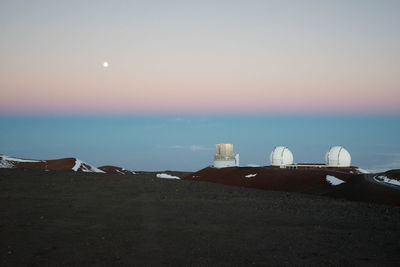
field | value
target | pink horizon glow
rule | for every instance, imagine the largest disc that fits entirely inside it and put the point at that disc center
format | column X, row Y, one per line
column 235, row 95
column 223, row 58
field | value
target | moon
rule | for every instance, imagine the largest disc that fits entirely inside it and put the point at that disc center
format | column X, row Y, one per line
column 105, row 64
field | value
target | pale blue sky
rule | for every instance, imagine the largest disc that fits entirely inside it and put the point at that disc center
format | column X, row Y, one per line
column 187, row 143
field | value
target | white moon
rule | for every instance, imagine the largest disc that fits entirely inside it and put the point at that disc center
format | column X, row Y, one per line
column 105, row 64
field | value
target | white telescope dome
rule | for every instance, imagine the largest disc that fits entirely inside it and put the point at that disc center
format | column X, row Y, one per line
column 281, row 155
column 338, row 156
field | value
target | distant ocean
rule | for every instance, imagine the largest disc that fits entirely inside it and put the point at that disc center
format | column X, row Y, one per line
column 187, row 143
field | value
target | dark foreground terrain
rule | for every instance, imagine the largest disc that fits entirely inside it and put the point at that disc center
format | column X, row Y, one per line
column 68, row 218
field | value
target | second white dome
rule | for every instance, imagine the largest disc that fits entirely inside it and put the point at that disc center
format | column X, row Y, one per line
column 338, row 156
column 281, row 155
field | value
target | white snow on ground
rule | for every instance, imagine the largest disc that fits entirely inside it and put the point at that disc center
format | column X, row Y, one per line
column 166, row 176
column 6, row 164
column 385, row 179
column 123, row 173
column 250, row 175
column 253, row 165
column 7, row 158
column 362, row 170
column 79, row 163
column 120, row 172
column 333, row 180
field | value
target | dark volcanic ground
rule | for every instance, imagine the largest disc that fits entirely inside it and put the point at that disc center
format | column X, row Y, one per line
column 67, row 218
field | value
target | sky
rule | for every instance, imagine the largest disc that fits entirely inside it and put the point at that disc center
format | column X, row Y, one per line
column 245, row 67
column 160, row 143
column 199, row 57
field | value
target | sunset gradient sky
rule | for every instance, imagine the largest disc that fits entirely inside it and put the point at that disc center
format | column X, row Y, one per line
column 186, row 75
column 200, row 57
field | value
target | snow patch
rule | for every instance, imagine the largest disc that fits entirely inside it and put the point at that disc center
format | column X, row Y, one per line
column 166, row 176
column 6, row 164
column 85, row 167
column 333, row 180
column 362, row 170
column 78, row 163
column 120, row 172
column 252, row 165
column 385, row 179
column 7, row 158
column 251, row 175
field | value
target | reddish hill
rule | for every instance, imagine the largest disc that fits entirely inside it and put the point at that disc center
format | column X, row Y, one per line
column 65, row 164
column 348, row 183
column 274, row 178
column 115, row 170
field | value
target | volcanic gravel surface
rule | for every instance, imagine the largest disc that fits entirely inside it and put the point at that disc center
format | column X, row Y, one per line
column 90, row 219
